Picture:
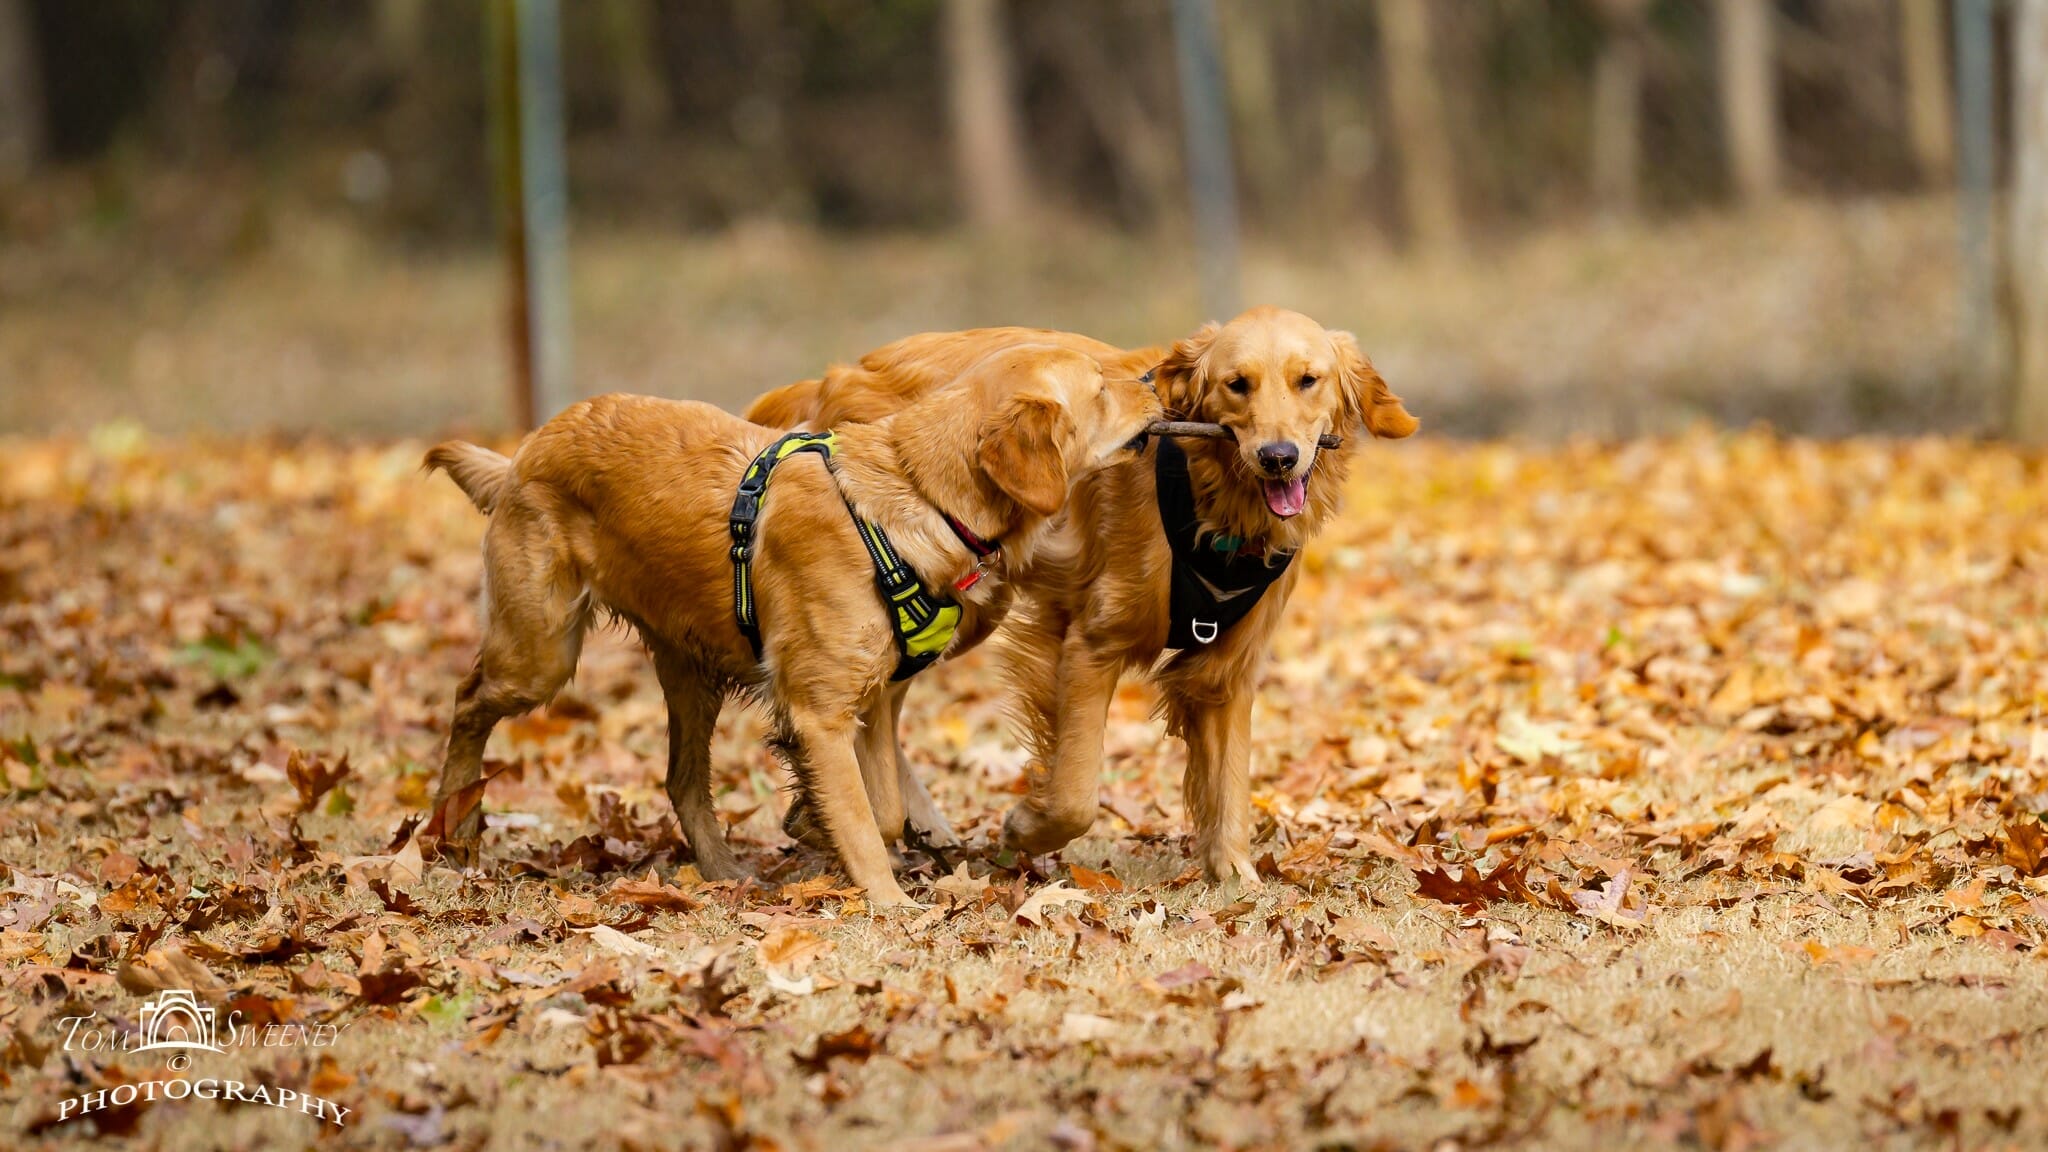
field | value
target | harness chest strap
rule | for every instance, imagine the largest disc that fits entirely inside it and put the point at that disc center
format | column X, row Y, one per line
column 1212, row 588
column 923, row 624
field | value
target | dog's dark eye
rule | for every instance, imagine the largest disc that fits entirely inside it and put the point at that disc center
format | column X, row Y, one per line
column 1239, row 385
column 1307, row 382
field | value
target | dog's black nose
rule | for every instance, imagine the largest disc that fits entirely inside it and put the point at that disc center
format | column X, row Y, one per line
column 1279, row 457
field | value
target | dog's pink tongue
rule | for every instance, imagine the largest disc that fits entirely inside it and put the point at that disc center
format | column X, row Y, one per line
column 1287, row 497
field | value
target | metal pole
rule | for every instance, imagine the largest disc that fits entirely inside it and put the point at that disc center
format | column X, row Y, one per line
column 526, row 145
column 1211, row 182
column 1976, row 176
column 544, row 182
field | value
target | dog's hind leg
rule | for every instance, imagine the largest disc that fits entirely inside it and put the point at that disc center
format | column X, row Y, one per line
column 875, row 751
column 918, row 808
column 536, row 610
column 693, row 703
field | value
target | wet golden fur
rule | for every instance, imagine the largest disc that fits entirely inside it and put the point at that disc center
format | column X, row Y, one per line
column 1094, row 600
column 621, row 503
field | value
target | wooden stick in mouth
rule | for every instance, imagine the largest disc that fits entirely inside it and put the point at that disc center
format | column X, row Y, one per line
column 1202, row 431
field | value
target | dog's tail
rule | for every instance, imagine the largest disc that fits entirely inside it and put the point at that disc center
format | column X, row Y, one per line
column 789, row 406
column 479, row 472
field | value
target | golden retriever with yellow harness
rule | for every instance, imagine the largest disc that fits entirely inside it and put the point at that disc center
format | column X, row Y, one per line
column 817, row 592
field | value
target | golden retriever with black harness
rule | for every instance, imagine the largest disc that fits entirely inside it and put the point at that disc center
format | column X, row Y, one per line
column 1185, row 548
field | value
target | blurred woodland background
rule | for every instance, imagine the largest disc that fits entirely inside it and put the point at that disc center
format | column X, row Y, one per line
column 1542, row 217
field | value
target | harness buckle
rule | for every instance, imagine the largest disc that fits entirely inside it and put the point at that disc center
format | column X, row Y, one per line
column 746, row 508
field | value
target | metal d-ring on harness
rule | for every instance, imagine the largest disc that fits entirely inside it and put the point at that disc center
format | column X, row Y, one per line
column 923, row 624
column 1215, row 583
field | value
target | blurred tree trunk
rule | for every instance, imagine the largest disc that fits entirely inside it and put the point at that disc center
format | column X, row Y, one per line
column 21, row 93
column 1617, row 107
column 1749, row 98
column 190, row 108
column 1255, row 100
column 402, row 43
column 1141, row 149
column 2027, row 233
column 761, row 115
column 643, row 101
column 421, row 123
column 402, row 34
column 1923, row 46
column 987, row 139
column 1421, row 136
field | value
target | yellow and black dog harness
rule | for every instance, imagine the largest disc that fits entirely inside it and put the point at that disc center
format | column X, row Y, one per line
column 924, row 624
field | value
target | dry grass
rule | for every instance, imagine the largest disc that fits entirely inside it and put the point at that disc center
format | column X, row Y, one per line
column 1787, row 690
column 1821, row 317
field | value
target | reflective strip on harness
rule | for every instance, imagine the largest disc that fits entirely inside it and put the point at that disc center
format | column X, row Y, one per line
column 923, row 624
column 746, row 509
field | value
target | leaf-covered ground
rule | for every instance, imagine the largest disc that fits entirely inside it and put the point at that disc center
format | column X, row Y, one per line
column 1681, row 792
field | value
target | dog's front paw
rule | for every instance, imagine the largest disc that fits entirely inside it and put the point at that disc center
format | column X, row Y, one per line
column 931, row 833
column 1225, row 868
column 1037, row 832
column 722, row 865
column 891, row 900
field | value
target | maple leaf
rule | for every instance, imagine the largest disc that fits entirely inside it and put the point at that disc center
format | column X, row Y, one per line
column 1055, row 894
column 312, row 778
column 1967, row 898
column 2022, row 846
column 1466, row 888
column 1089, row 880
column 962, row 887
column 786, row 954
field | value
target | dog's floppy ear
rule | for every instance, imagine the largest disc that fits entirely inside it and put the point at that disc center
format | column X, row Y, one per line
column 1019, row 449
column 1366, row 398
column 1180, row 379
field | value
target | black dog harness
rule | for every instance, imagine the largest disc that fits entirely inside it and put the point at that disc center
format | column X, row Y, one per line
column 924, row 624
column 1214, row 586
